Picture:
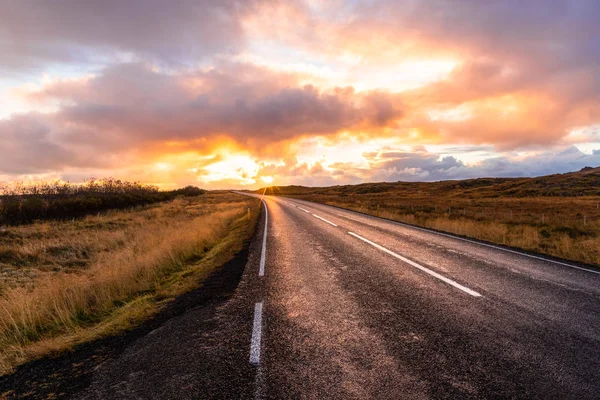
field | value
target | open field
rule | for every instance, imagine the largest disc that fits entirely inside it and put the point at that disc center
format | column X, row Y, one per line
column 64, row 283
column 558, row 215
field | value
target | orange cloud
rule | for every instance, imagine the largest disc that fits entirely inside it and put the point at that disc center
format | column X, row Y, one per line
column 286, row 88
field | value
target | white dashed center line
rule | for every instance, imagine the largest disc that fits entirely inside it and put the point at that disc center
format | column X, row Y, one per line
column 256, row 335
column 418, row 266
column 471, row 241
column 306, row 211
column 324, row 220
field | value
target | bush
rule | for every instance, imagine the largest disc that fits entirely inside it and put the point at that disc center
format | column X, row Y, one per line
column 21, row 203
column 190, row 191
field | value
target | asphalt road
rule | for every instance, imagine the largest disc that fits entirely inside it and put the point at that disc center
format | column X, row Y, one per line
column 336, row 304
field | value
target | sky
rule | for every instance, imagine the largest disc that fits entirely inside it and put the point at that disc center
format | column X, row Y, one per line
column 248, row 93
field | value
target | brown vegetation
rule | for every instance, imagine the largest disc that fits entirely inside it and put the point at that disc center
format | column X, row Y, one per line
column 22, row 203
column 67, row 282
column 558, row 215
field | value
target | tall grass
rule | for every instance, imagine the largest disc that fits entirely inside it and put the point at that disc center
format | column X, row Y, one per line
column 564, row 227
column 62, row 305
column 561, row 238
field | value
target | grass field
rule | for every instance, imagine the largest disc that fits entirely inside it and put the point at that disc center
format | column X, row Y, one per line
column 63, row 283
column 558, row 215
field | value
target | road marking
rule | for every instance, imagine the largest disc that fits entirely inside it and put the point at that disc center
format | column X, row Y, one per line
column 497, row 248
column 323, row 219
column 306, row 211
column 256, row 334
column 259, row 384
column 466, row 240
column 263, row 252
column 418, row 266
column 503, row 249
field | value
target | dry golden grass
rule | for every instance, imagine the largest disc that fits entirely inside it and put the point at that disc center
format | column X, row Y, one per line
column 562, row 233
column 558, row 214
column 104, row 274
column 565, row 227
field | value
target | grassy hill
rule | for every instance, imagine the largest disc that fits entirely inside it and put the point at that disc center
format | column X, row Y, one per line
column 558, row 214
column 573, row 184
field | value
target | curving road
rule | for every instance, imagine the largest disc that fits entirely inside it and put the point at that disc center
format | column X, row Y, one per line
column 336, row 304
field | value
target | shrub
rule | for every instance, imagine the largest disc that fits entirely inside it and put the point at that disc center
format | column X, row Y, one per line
column 24, row 203
column 190, row 191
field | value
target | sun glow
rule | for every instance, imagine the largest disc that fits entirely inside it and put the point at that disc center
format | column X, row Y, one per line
column 405, row 75
column 162, row 166
column 345, row 150
column 240, row 168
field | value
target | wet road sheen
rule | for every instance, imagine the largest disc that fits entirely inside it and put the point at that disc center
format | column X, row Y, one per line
column 356, row 307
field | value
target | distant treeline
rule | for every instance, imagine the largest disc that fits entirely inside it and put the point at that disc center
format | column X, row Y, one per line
column 22, row 203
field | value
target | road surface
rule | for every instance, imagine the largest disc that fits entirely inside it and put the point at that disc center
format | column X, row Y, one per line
column 336, row 304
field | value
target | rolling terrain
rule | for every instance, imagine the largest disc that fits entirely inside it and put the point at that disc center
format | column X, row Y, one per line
column 557, row 215
column 332, row 302
column 337, row 304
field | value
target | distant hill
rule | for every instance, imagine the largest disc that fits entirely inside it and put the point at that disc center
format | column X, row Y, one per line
column 585, row 182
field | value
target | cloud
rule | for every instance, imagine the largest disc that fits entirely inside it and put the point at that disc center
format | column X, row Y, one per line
column 507, row 28
column 528, row 73
column 137, row 111
column 421, row 165
column 176, row 81
column 505, row 107
column 28, row 146
column 241, row 101
column 36, row 32
column 417, row 164
column 135, row 107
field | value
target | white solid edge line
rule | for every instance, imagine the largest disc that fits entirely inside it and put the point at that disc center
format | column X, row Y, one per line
column 323, row 219
column 300, row 208
column 256, row 335
column 468, row 241
column 263, row 252
column 422, row 268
